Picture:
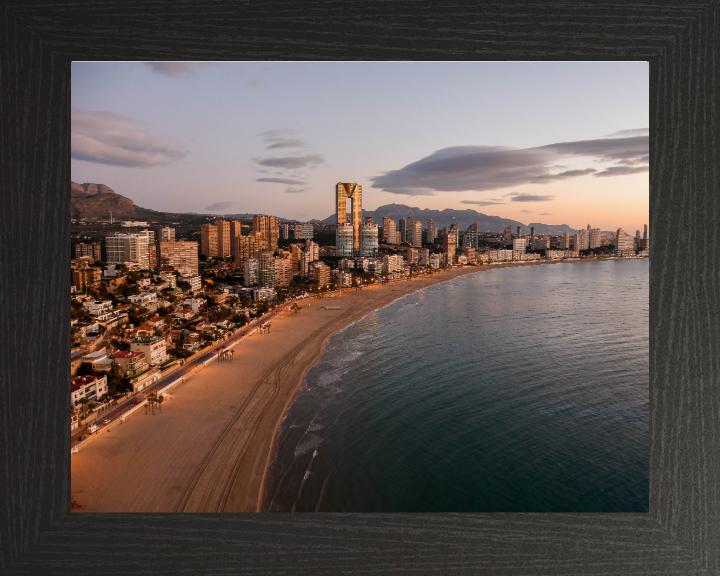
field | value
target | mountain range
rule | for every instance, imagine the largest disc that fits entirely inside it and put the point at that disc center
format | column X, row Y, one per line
column 464, row 219
column 98, row 200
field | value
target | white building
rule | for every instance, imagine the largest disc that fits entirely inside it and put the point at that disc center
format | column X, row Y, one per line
column 98, row 307
column 169, row 279
column 194, row 304
column 123, row 248
column 392, row 263
column 520, row 245
column 92, row 387
column 368, row 240
column 153, row 347
column 194, row 281
column 344, row 240
column 303, row 231
column 344, row 279
column 265, row 293
column 423, row 257
column 623, row 241
column 251, row 272
column 434, row 261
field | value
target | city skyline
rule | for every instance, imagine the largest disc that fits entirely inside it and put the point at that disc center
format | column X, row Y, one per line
column 535, row 142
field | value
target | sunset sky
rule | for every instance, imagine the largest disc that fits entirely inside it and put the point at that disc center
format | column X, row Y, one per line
column 555, row 142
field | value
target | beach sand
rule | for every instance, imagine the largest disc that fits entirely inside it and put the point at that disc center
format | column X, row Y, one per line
column 209, row 448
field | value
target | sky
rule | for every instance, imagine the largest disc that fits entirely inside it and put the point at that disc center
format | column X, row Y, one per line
column 550, row 142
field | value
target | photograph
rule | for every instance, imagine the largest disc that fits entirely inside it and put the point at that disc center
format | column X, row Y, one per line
column 367, row 287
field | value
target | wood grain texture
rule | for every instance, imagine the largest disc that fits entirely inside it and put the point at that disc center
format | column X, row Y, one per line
column 680, row 535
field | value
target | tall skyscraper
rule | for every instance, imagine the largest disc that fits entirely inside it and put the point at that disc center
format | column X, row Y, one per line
column 402, row 231
column 369, row 240
column 450, row 246
column 283, row 272
column 532, row 231
column 181, row 255
column 431, row 231
column 344, row 240
column 208, row 240
column 410, row 230
column 353, row 192
column 471, row 236
column 267, row 227
column 507, row 235
column 386, row 229
column 235, row 231
column 167, row 235
column 246, row 247
column 417, row 242
column 123, row 248
column 645, row 233
column 519, row 231
column 223, row 238
column 285, row 231
column 392, row 232
column 267, row 268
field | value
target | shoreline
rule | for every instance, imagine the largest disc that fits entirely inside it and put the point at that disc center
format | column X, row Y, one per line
column 211, row 447
column 464, row 271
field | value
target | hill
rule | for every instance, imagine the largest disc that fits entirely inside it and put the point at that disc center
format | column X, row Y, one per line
column 97, row 201
column 464, row 219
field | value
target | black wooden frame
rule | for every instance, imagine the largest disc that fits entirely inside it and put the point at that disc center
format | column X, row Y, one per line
column 680, row 535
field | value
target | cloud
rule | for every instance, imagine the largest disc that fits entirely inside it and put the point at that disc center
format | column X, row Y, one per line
column 219, row 206
column 173, row 69
column 622, row 171
column 526, row 211
column 108, row 138
column 480, row 202
column 631, row 132
column 295, row 190
column 545, row 214
column 478, row 168
column 516, row 197
column 292, row 162
column 285, row 143
column 281, row 181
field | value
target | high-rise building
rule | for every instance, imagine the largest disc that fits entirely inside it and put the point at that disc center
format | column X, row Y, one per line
column 303, row 231
column 392, row 233
column 181, row 255
column 246, row 247
column 235, row 232
column 565, row 245
column 283, row 272
column 122, row 248
column 92, row 250
column 313, row 250
column 267, row 268
column 520, row 245
column 507, row 235
column 532, row 231
column 410, row 230
column 269, row 231
column 369, row 240
column 450, row 246
column 623, row 241
column 167, row 235
column 251, row 272
column 418, row 234
column 386, row 229
column 152, row 249
column 224, row 245
column 368, row 220
column 582, row 240
column 208, row 240
column 431, row 231
column 402, row 231
column 637, row 234
column 645, row 233
column 471, row 236
column 594, row 238
column 344, row 240
column 392, row 263
column 519, row 231
column 320, row 274
column 540, row 243
column 86, row 278
column 285, row 231
column 353, row 192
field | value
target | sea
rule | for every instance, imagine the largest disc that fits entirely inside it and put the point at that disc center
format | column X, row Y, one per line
column 520, row 389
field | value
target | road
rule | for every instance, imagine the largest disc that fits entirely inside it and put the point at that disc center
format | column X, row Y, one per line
column 113, row 414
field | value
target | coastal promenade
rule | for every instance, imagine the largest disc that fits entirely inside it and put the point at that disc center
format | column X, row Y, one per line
column 209, row 447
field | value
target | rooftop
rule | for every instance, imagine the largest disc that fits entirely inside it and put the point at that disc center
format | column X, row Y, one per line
column 127, row 354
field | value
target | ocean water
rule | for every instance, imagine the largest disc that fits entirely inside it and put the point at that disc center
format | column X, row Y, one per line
column 513, row 390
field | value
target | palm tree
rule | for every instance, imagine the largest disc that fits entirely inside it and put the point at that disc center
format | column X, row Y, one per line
column 160, row 400
column 152, row 398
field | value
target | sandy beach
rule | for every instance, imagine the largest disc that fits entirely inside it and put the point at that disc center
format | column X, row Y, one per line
column 208, row 450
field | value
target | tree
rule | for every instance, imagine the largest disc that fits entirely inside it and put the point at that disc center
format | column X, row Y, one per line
column 152, row 399
column 160, row 400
